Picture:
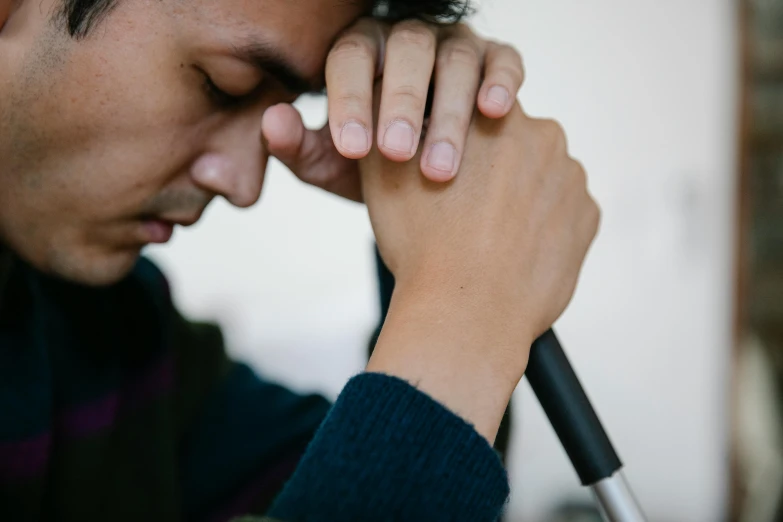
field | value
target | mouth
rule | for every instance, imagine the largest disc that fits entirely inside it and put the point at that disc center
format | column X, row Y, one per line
column 159, row 230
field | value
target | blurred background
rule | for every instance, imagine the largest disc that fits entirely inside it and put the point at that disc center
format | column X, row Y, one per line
column 675, row 107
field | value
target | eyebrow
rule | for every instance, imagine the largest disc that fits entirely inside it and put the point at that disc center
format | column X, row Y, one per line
column 271, row 60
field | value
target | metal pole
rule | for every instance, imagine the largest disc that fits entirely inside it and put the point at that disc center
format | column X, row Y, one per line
column 616, row 500
column 580, row 431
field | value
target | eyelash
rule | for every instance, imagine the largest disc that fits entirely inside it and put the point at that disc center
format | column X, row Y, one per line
column 218, row 96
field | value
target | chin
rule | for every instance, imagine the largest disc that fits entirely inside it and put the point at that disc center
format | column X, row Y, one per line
column 92, row 269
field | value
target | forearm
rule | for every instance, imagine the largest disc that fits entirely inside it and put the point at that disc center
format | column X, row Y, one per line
column 456, row 349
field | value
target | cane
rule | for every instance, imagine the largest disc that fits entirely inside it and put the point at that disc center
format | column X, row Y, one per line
column 580, row 432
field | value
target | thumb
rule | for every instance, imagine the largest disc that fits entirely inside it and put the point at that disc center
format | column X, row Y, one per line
column 309, row 154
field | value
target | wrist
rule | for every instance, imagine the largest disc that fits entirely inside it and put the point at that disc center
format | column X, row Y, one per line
column 453, row 347
column 470, row 305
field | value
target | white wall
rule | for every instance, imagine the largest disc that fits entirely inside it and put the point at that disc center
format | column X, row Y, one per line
column 645, row 90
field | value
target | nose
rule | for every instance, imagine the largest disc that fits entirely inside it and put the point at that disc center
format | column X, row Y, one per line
column 233, row 162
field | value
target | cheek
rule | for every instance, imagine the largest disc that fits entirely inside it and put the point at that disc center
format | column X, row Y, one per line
column 115, row 125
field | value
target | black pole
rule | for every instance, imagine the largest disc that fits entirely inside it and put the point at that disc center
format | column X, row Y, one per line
column 569, row 411
column 572, row 416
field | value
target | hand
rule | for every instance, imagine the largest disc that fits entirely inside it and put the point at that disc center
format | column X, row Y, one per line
column 483, row 264
column 411, row 52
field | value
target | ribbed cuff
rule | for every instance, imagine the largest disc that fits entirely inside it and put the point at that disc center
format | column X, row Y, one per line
column 388, row 452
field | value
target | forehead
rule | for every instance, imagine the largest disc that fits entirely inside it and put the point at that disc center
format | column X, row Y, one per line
column 302, row 30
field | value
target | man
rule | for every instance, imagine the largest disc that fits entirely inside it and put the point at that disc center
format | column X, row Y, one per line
column 121, row 119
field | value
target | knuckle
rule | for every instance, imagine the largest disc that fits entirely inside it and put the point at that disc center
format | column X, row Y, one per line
column 579, row 174
column 596, row 210
column 551, row 133
column 352, row 46
column 414, row 32
column 594, row 215
column 514, row 75
column 409, row 97
column 515, row 56
column 460, row 51
column 350, row 99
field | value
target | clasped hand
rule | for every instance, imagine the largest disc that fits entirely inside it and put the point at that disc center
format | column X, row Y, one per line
column 469, row 72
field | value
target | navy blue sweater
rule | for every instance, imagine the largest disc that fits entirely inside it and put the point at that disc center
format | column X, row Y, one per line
column 113, row 407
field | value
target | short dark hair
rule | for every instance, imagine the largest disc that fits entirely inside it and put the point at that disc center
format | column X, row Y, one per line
column 79, row 16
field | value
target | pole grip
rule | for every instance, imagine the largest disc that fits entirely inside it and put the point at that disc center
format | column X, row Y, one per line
column 569, row 411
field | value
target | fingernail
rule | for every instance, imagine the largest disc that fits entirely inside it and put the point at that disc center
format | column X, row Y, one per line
column 399, row 137
column 442, row 157
column 354, row 137
column 498, row 95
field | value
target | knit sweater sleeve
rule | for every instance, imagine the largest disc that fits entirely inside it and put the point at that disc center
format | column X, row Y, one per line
column 387, row 452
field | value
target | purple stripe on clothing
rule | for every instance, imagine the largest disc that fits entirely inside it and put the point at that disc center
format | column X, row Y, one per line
column 98, row 415
column 25, row 459
column 89, row 418
column 260, row 491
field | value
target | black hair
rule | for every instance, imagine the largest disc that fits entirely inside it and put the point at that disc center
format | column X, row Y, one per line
column 79, row 16
column 437, row 11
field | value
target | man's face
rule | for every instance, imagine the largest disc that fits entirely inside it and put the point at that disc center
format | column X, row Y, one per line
column 108, row 140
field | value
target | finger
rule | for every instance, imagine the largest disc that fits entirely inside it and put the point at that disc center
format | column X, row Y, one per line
column 503, row 77
column 350, row 72
column 410, row 58
column 457, row 74
column 309, row 154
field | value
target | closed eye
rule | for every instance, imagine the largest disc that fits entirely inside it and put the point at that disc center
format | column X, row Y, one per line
column 219, row 97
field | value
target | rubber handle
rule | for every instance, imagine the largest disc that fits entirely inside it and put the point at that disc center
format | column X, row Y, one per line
column 569, row 411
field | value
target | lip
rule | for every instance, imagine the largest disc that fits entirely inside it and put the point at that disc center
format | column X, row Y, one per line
column 157, row 231
column 160, row 228
column 183, row 220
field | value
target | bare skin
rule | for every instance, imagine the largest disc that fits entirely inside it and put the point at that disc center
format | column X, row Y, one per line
column 107, row 142
column 484, row 265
